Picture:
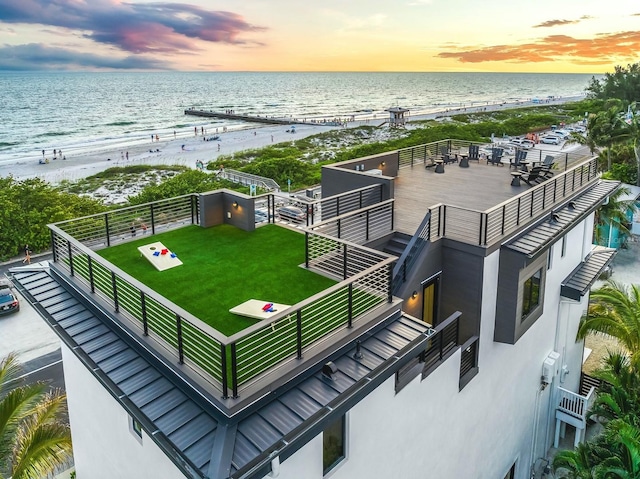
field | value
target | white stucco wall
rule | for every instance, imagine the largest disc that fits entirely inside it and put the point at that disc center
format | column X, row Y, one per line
column 430, row 429
column 103, row 445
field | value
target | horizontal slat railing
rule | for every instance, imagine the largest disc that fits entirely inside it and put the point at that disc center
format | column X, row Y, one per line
column 506, row 217
column 229, row 363
column 361, row 225
column 443, row 342
column 342, row 203
column 105, row 229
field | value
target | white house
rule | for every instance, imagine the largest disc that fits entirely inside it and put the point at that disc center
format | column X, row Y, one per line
column 446, row 349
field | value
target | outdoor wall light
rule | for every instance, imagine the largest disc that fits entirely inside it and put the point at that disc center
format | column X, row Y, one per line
column 235, row 204
column 383, row 164
column 414, row 295
column 572, row 205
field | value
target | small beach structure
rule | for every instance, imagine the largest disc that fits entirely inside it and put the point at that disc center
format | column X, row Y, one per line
column 397, row 116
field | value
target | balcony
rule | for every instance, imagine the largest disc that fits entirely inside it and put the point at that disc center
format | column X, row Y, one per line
column 572, row 408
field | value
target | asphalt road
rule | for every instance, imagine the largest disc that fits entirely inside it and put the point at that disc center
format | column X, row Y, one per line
column 31, row 338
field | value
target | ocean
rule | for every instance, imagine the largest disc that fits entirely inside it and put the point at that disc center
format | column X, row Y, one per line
column 81, row 111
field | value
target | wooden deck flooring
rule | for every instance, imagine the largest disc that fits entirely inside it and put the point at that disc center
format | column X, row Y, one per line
column 478, row 187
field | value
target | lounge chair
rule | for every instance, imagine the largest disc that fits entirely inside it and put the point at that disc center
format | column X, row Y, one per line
column 474, row 153
column 496, row 156
column 520, row 155
column 536, row 175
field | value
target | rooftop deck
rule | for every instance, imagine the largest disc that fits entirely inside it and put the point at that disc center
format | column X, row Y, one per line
column 482, row 188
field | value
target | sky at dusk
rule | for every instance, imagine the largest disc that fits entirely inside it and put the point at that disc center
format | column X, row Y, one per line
column 332, row 35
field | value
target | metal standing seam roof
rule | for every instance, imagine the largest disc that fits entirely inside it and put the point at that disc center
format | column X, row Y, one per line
column 217, row 446
column 533, row 240
column 576, row 285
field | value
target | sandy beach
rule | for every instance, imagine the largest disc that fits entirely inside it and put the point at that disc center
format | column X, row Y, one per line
column 187, row 151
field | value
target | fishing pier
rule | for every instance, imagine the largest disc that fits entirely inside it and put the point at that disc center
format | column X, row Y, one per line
column 248, row 118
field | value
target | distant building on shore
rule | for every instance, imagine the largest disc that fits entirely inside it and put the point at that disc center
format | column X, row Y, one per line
column 397, row 116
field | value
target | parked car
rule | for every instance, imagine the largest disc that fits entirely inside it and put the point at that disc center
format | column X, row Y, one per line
column 292, row 213
column 9, row 302
column 550, row 140
column 564, row 134
column 522, row 143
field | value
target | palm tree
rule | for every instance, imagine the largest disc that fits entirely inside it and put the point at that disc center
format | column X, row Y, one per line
column 33, row 440
column 612, row 215
column 615, row 310
column 619, row 395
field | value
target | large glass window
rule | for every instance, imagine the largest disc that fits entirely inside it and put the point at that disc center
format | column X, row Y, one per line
column 531, row 294
column 333, row 450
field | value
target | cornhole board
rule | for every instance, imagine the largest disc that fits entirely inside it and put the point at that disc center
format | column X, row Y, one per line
column 161, row 261
column 253, row 309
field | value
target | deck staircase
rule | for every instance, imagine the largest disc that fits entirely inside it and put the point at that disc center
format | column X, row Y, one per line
column 397, row 244
column 572, row 409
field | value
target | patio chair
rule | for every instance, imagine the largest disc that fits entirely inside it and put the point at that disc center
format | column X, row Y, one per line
column 496, row 156
column 520, row 155
column 474, row 153
column 536, row 175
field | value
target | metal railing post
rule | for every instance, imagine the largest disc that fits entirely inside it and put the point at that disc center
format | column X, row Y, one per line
column 90, row 264
column 106, row 227
column 367, row 225
column 234, row 370
column 224, row 376
column 390, row 284
column 350, row 307
column 153, row 220
column 53, row 246
column 114, row 290
column 299, row 332
column 70, row 254
column 143, row 307
column 344, row 261
column 306, row 249
column 180, row 345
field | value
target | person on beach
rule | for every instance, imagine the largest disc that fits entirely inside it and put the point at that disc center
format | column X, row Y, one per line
column 132, row 228
column 127, row 155
column 42, row 153
column 27, row 255
column 157, row 137
column 144, row 228
column 151, row 138
column 122, row 156
column 174, row 134
column 195, row 130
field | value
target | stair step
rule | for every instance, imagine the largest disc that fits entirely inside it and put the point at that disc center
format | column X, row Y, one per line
column 395, row 250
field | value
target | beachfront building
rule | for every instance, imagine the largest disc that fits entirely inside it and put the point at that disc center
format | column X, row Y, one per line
column 444, row 348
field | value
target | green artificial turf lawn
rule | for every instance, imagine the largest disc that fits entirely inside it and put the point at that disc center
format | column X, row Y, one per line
column 224, row 266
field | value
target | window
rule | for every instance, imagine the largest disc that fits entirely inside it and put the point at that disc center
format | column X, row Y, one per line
column 564, row 246
column 333, row 450
column 531, row 294
column 136, row 428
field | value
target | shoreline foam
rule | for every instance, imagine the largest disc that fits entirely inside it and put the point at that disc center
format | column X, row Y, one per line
column 251, row 136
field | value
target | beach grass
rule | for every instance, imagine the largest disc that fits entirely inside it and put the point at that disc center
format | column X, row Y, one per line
column 224, row 266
